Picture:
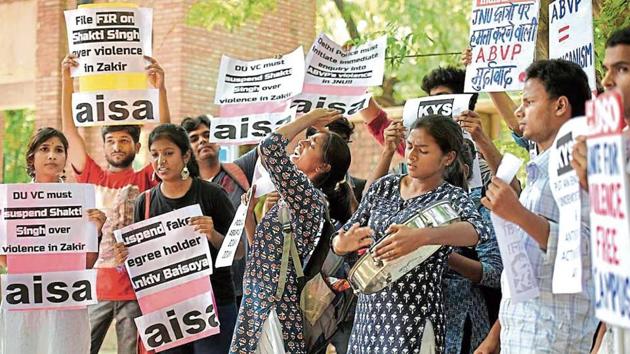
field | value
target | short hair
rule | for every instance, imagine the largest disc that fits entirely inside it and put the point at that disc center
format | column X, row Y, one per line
column 619, row 37
column 343, row 127
column 189, row 123
column 132, row 130
column 450, row 77
column 562, row 78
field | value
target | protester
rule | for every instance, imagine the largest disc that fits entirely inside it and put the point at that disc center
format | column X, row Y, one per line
column 48, row 331
column 180, row 186
column 554, row 92
column 234, row 177
column 116, row 188
column 433, row 147
column 617, row 65
column 269, row 319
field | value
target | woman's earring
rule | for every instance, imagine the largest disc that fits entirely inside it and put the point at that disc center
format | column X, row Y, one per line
column 185, row 173
column 62, row 176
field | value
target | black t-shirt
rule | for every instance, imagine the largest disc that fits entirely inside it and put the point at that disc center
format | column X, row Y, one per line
column 214, row 203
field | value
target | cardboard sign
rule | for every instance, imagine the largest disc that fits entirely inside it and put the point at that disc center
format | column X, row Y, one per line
column 518, row 273
column 328, row 64
column 571, row 35
column 609, row 183
column 565, row 188
column 39, row 218
column 247, row 129
column 233, row 236
column 347, row 105
column 179, row 323
column 164, row 251
column 266, row 80
column 52, row 290
column 503, row 42
column 123, row 107
column 109, row 40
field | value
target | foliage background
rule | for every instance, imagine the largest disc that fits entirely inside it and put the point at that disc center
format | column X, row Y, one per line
column 18, row 125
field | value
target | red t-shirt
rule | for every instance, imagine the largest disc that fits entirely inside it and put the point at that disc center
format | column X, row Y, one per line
column 115, row 195
column 377, row 127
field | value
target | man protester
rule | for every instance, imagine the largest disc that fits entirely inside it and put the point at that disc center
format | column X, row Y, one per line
column 554, row 92
column 235, row 178
column 116, row 189
column 617, row 77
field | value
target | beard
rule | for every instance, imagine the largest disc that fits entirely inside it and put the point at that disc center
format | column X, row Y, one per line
column 124, row 163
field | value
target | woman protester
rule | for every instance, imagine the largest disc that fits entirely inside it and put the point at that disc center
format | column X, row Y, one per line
column 408, row 314
column 48, row 331
column 270, row 320
column 180, row 186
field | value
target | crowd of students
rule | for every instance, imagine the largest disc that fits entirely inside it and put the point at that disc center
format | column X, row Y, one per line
column 447, row 304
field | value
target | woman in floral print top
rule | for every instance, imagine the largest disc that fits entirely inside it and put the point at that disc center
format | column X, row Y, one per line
column 408, row 315
column 304, row 180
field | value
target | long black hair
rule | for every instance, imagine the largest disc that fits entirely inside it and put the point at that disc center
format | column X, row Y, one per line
column 336, row 153
column 178, row 136
column 41, row 136
column 448, row 136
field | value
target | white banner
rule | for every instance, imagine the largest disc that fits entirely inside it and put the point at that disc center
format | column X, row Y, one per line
column 39, row 218
column 261, row 180
column 517, row 268
column 266, row 80
column 565, row 188
column 122, row 107
column 448, row 106
column 347, row 105
column 609, row 183
column 503, row 42
column 233, row 237
column 52, row 290
column 248, row 129
column 109, row 40
column 571, row 35
column 164, row 251
column 328, row 64
column 179, row 323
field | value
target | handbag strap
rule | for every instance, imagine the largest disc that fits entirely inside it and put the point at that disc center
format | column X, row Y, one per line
column 289, row 251
column 147, row 204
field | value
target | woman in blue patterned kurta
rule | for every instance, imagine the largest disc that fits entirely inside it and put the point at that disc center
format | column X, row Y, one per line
column 303, row 180
column 394, row 320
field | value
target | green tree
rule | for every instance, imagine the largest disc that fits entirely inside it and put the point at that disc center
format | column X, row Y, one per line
column 18, row 125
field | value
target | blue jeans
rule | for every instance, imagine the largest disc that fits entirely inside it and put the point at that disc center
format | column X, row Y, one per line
column 216, row 344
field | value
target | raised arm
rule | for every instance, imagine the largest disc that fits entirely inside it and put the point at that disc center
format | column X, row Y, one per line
column 155, row 75
column 393, row 135
column 77, row 152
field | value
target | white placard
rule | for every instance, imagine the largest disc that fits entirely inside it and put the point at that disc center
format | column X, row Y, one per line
column 38, row 218
column 233, row 237
column 609, row 183
column 517, row 267
column 262, row 180
column 179, row 323
column 503, row 42
column 121, row 107
column 248, row 129
column 445, row 105
column 571, row 35
column 164, row 251
column 109, row 40
column 266, row 80
column 51, row 290
column 565, row 188
column 347, row 105
column 328, row 64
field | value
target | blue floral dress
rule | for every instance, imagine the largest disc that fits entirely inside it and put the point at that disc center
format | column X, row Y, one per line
column 307, row 206
column 393, row 320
